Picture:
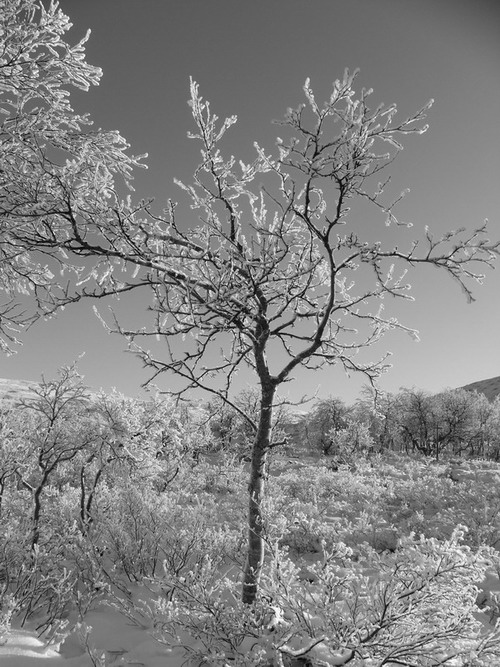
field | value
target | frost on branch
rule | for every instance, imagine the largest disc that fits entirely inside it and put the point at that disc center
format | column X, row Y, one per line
column 53, row 165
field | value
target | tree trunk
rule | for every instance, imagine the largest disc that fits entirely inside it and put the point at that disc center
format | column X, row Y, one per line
column 256, row 487
column 2, row 489
column 37, row 509
column 37, row 506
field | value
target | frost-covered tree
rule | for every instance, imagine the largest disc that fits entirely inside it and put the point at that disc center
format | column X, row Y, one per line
column 269, row 271
column 328, row 416
column 417, row 420
column 454, row 421
column 48, row 155
column 59, row 429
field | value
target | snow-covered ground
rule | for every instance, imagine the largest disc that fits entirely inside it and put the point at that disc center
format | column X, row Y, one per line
column 123, row 642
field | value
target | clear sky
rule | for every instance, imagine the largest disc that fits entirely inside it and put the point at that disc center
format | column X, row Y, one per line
column 251, row 59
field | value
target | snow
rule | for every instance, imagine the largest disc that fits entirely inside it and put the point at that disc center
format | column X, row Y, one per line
column 23, row 648
column 123, row 642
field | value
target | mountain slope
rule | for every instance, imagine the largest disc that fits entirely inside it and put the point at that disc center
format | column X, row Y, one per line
column 12, row 391
column 490, row 388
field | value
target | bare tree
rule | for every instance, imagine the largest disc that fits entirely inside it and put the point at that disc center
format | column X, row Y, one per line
column 417, row 420
column 58, row 432
column 269, row 271
column 327, row 416
column 455, row 421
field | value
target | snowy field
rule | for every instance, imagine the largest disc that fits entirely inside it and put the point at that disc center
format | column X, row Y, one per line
column 112, row 635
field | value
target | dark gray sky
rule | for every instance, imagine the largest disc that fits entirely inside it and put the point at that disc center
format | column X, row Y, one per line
column 251, row 59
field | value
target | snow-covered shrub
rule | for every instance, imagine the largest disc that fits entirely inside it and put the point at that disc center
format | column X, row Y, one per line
column 219, row 473
column 139, row 530
column 415, row 607
column 44, row 585
column 7, row 606
column 346, row 491
column 423, row 499
column 350, row 443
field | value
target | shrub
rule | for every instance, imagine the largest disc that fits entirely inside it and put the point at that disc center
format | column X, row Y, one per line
column 414, row 607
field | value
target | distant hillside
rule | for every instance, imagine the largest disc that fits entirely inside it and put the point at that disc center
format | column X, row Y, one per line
column 490, row 388
column 12, row 391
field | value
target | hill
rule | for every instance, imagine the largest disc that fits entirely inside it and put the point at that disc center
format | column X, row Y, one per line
column 12, row 391
column 490, row 388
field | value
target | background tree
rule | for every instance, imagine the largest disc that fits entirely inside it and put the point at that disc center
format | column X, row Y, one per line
column 457, row 425
column 11, row 459
column 381, row 413
column 60, row 429
column 489, row 416
column 455, row 422
column 233, row 424
column 327, row 417
column 273, row 275
column 418, row 421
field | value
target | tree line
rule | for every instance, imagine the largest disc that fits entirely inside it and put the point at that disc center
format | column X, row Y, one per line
column 452, row 423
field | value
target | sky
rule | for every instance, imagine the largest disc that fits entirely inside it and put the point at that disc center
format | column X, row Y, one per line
column 251, row 59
